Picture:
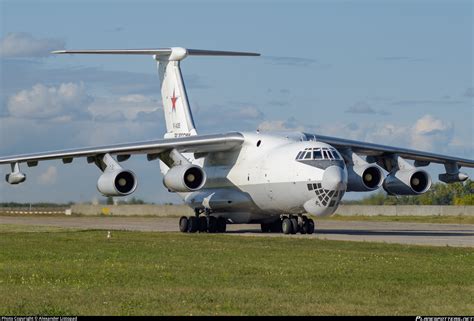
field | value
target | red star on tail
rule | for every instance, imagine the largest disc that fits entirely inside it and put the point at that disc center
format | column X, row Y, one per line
column 173, row 101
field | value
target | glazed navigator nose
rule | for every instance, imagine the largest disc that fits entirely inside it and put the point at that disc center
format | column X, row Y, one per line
column 333, row 178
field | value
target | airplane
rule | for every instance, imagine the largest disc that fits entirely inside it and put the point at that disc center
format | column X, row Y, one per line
column 271, row 179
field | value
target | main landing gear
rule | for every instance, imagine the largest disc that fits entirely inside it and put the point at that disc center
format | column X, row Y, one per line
column 211, row 224
column 290, row 225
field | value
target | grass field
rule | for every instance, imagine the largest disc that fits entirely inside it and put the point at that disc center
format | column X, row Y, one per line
column 53, row 271
column 461, row 219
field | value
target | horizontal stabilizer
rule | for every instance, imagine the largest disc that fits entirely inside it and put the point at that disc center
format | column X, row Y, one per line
column 179, row 52
column 165, row 51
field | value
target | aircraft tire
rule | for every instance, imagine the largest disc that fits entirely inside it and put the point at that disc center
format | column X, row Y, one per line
column 221, row 224
column 183, row 224
column 294, row 225
column 193, row 224
column 202, row 224
column 310, row 226
column 212, row 224
column 286, row 226
column 304, row 226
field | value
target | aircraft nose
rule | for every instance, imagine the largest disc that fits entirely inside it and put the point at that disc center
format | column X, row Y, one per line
column 333, row 178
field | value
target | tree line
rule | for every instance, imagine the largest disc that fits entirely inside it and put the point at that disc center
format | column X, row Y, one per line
column 439, row 194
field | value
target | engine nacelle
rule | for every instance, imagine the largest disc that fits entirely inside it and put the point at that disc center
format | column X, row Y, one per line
column 364, row 178
column 119, row 182
column 185, row 178
column 407, row 182
column 15, row 178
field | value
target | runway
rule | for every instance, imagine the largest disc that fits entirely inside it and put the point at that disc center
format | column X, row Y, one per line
column 457, row 235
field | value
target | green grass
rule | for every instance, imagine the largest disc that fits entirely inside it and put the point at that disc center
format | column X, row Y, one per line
column 48, row 271
column 461, row 219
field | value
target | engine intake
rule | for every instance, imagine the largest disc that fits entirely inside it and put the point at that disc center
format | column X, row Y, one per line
column 407, row 182
column 117, row 183
column 364, row 178
column 185, row 178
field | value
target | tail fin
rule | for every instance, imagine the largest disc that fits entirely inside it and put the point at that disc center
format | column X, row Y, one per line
column 178, row 116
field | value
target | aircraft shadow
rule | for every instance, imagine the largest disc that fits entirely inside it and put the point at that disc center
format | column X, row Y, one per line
column 396, row 232
column 408, row 233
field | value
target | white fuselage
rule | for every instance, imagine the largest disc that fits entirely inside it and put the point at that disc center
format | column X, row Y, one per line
column 263, row 179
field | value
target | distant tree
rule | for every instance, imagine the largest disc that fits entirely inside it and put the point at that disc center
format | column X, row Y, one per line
column 133, row 201
column 439, row 194
column 464, row 200
column 15, row 204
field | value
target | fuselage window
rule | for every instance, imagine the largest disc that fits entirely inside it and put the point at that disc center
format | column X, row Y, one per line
column 317, row 154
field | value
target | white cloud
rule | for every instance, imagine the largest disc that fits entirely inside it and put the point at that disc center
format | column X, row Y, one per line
column 22, row 44
column 248, row 113
column 270, row 125
column 134, row 98
column 283, row 125
column 49, row 177
column 469, row 92
column 44, row 102
column 100, row 133
column 239, row 115
column 429, row 133
column 129, row 107
column 361, row 107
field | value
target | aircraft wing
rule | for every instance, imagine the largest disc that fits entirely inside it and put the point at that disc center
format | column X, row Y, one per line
column 379, row 152
column 190, row 144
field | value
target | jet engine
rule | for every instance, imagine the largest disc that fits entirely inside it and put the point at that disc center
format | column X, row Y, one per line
column 119, row 182
column 185, row 178
column 407, row 182
column 364, row 178
column 15, row 178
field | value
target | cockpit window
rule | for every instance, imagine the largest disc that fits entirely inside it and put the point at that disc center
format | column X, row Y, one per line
column 318, row 154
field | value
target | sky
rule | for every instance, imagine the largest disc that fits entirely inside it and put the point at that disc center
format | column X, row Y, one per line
column 390, row 72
